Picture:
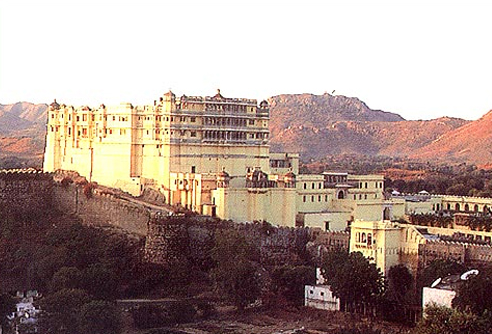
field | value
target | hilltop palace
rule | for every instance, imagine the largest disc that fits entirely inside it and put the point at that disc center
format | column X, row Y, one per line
column 209, row 155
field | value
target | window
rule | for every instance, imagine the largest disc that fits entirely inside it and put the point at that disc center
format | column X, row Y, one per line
column 319, row 198
column 312, row 185
column 251, row 122
column 192, row 119
column 305, row 186
column 312, row 198
column 193, row 134
column 193, row 169
column 304, row 199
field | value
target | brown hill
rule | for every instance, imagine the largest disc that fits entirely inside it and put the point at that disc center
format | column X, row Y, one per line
column 320, row 125
column 471, row 142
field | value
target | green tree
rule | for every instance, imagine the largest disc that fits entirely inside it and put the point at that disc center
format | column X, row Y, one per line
column 99, row 317
column 475, row 294
column 289, row 282
column 60, row 311
column 443, row 320
column 352, row 278
column 234, row 274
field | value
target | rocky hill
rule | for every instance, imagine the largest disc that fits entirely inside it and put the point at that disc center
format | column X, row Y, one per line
column 320, row 125
column 471, row 142
column 22, row 131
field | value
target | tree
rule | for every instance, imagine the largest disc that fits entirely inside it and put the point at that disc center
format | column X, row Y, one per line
column 289, row 282
column 443, row 320
column 99, row 317
column 60, row 311
column 475, row 294
column 7, row 307
column 439, row 268
column 399, row 284
column 352, row 278
column 234, row 274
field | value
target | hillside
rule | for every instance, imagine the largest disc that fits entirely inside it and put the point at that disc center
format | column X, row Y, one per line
column 471, row 142
column 22, row 132
column 320, row 125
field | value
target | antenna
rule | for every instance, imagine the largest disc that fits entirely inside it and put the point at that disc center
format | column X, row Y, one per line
column 436, row 282
column 466, row 276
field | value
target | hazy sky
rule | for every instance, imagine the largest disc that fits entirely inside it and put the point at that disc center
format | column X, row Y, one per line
column 421, row 59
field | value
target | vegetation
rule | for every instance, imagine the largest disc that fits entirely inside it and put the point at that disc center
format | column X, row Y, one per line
column 352, row 278
column 475, row 294
column 443, row 320
column 408, row 176
column 235, row 273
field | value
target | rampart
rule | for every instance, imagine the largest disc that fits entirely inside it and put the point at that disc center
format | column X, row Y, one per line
column 98, row 206
column 25, row 189
column 169, row 238
column 470, row 254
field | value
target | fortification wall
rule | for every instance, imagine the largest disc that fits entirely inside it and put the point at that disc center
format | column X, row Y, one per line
column 97, row 208
column 169, row 238
column 469, row 254
column 25, row 189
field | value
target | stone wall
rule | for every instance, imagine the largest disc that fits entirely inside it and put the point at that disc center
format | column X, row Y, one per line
column 466, row 253
column 169, row 238
column 99, row 208
column 25, row 189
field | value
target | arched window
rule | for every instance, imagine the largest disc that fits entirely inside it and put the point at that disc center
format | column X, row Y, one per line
column 457, row 207
column 369, row 239
column 341, row 195
column 363, row 237
column 467, row 207
column 475, row 208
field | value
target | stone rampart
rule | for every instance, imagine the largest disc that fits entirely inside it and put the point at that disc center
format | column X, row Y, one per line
column 97, row 208
column 25, row 189
column 470, row 254
column 169, row 238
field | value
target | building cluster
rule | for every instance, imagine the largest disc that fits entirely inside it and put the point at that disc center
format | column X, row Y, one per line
column 211, row 155
column 208, row 154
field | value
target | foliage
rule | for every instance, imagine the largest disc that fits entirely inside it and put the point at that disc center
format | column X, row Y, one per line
column 443, row 320
column 7, row 306
column 352, row 278
column 99, row 317
column 399, row 285
column 289, row 282
column 475, row 294
column 152, row 316
column 234, row 274
column 439, row 268
column 61, row 310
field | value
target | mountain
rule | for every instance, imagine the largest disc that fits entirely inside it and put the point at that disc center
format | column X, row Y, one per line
column 22, row 131
column 471, row 142
column 320, row 125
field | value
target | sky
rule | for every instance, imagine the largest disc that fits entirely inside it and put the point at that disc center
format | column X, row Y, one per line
column 420, row 59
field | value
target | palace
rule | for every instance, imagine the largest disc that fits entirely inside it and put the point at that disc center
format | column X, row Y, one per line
column 209, row 154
